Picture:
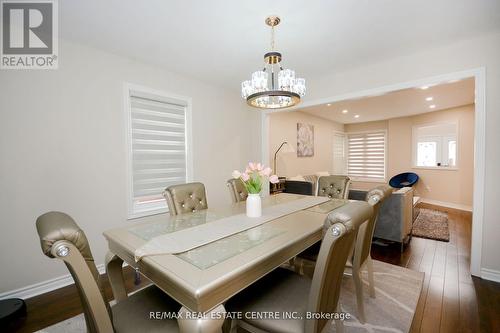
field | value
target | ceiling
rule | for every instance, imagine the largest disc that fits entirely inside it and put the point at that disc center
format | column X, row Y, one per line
column 399, row 103
column 223, row 41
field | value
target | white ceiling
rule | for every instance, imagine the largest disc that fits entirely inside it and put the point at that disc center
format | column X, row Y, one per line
column 223, row 41
column 399, row 103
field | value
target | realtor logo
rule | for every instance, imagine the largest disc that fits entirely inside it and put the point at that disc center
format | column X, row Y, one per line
column 29, row 34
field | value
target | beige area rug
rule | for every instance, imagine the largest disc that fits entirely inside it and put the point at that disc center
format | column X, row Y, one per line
column 431, row 224
column 397, row 292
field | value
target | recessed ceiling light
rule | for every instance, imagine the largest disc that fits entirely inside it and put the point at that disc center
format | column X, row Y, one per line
column 328, row 104
column 428, row 99
column 424, row 87
column 432, row 106
column 356, row 116
column 344, row 111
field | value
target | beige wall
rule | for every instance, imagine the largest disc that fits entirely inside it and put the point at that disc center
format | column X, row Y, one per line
column 283, row 127
column 62, row 147
column 451, row 186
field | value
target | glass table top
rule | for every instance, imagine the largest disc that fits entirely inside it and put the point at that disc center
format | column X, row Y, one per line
column 175, row 223
column 211, row 254
column 208, row 255
column 328, row 206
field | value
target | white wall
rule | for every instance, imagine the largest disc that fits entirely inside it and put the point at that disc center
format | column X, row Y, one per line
column 62, row 147
column 283, row 127
column 450, row 186
column 467, row 54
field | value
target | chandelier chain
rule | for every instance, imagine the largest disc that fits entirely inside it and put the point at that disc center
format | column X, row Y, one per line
column 272, row 38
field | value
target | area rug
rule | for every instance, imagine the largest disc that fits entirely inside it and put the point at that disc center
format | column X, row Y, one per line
column 397, row 292
column 431, row 224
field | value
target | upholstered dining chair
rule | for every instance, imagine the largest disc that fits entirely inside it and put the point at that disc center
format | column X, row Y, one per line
column 61, row 238
column 283, row 290
column 237, row 189
column 185, row 198
column 361, row 255
column 334, row 186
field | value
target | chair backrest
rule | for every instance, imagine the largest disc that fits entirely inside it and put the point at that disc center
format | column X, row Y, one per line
column 185, row 198
column 334, row 186
column 237, row 189
column 61, row 238
column 339, row 233
column 363, row 244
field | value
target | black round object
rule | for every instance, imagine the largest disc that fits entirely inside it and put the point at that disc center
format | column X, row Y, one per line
column 11, row 309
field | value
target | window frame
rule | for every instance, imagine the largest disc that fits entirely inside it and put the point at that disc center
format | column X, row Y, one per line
column 159, row 207
column 414, row 142
column 362, row 179
column 344, row 135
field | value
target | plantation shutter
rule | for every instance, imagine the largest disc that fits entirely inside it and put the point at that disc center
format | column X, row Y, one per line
column 339, row 154
column 158, row 140
column 366, row 156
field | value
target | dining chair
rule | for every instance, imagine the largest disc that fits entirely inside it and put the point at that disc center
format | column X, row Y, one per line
column 285, row 291
column 334, row 186
column 361, row 254
column 237, row 189
column 185, row 198
column 61, row 238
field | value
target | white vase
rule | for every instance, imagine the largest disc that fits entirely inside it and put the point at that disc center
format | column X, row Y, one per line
column 254, row 205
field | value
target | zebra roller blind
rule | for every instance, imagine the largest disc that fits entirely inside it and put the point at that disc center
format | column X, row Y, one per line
column 366, row 155
column 158, row 147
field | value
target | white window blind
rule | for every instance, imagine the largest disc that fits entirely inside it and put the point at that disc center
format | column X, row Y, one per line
column 366, row 155
column 339, row 154
column 158, row 149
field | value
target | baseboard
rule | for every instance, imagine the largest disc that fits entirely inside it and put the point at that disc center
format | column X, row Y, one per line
column 447, row 204
column 44, row 286
column 490, row 274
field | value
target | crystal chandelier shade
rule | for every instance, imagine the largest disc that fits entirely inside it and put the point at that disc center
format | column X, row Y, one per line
column 273, row 87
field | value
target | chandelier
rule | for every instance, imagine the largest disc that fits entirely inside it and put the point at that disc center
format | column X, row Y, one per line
column 273, row 87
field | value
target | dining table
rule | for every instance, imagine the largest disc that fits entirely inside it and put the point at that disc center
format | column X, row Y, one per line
column 202, row 276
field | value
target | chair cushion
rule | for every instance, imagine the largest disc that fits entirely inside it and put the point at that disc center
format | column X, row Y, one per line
column 281, row 290
column 133, row 314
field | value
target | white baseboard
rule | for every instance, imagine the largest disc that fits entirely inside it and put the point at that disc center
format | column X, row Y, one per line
column 490, row 274
column 44, row 286
column 447, row 204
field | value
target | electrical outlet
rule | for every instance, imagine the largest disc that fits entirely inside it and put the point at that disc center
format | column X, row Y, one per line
column 428, row 188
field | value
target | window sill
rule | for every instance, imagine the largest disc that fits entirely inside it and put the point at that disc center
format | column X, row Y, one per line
column 435, row 168
column 146, row 213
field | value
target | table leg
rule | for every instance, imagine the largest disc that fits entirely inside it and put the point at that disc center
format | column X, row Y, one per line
column 115, row 275
column 211, row 322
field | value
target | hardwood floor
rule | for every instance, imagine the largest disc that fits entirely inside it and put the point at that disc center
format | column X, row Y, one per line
column 451, row 300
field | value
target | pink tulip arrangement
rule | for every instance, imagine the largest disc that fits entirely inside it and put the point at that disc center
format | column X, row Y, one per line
column 253, row 177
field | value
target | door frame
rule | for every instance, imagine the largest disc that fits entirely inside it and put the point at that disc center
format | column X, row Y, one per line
column 479, row 75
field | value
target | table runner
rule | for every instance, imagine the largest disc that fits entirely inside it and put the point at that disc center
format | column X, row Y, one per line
column 187, row 239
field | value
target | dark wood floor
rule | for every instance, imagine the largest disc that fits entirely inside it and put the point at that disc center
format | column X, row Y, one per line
column 451, row 300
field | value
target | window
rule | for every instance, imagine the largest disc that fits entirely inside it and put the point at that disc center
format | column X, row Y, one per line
column 435, row 145
column 158, row 127
column 339, row 154
column 366, row 156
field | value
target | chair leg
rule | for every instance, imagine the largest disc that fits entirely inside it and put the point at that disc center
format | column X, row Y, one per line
column 358, row 284
column 371, row 282
column 115, row 276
